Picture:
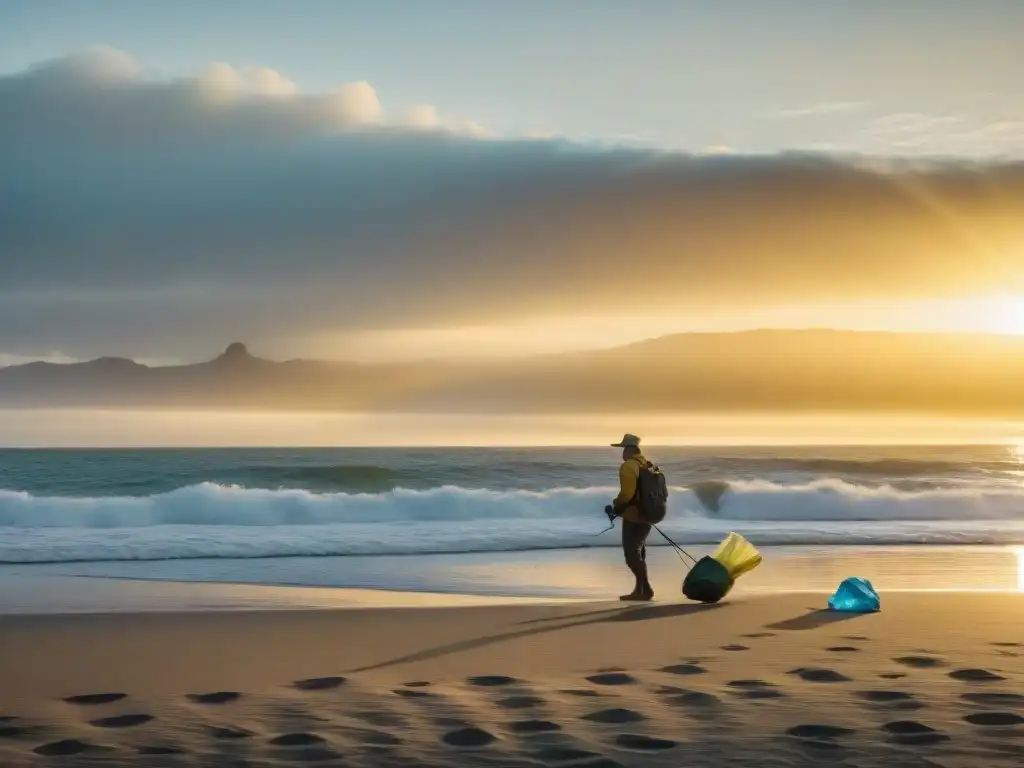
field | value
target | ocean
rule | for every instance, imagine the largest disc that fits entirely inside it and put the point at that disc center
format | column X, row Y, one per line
column 65, row 506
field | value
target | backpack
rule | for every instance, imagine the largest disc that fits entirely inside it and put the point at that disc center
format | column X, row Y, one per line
column 651, row 494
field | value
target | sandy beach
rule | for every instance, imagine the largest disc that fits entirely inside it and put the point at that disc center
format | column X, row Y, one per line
column 935, row 679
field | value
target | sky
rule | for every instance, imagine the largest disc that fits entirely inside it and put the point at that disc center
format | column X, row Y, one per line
column 392, row 179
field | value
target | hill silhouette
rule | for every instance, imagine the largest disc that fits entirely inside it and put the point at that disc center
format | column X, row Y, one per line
column 805, row 370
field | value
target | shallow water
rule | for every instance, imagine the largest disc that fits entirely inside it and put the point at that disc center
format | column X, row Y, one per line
column 593, row 574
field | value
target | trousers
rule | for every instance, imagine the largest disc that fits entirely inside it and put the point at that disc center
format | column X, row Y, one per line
column 634, row 547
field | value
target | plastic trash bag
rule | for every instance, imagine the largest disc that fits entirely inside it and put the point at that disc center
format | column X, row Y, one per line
column 708, row 581
column 737, row 555
column 712, row 577
column 855, row 595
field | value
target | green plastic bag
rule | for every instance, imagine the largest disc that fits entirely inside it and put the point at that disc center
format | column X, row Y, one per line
column 713, row 576
column 708, row 581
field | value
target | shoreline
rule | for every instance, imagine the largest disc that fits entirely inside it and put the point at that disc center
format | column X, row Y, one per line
column 519, row 577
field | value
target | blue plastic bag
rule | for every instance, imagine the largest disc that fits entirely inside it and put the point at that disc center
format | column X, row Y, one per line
column 855, row 595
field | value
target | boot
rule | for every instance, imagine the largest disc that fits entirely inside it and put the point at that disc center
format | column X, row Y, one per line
column 648, row 590
column 642, row 592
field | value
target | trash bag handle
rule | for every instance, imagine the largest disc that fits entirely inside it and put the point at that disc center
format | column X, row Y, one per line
column 679, row 550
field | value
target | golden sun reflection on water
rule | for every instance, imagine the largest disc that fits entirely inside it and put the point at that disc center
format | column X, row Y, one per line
column 1016, row 451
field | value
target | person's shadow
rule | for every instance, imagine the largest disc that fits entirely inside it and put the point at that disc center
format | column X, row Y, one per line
column 551, row 624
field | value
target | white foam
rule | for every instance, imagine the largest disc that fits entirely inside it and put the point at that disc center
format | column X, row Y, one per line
column 213, row 521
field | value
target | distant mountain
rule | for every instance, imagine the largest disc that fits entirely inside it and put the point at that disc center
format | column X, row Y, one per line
column 757, row 370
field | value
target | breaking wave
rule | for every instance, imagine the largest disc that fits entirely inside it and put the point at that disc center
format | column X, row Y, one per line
column 217, row 521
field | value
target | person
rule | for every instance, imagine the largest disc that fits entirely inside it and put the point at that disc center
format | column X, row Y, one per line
column 634, row 530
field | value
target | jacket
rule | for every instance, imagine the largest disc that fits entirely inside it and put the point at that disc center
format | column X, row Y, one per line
column 629, row 475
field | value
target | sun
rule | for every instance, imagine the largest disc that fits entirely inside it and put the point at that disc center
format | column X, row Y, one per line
column 1005, row 314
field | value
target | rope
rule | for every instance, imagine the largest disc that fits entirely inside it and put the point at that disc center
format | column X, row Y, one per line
column 678, row 550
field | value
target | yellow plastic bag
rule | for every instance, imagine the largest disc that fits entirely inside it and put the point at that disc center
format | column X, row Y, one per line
column 737, row 555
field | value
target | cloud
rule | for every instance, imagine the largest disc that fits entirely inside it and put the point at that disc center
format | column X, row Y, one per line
column 102, row 99
column 821, row 109
column 421, row 116
column 163, row 218
column 981, row 133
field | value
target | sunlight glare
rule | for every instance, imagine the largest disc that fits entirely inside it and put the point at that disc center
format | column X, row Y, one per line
column 1006, row 314
column 1016, row 450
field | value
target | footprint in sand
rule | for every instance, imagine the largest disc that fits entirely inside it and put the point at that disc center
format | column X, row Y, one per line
column 612, row 678
column 159, row 749
column 735, row 648
column 754, row 689
column 615, row 715
column 468, row 737
column 640, row 743
column 698, row 699
column 819, row 675
column 492, row 681
column 64, row 748
column 121, row 721
column 856, row 638
column 534, row 726
column 319, row 683
column 994, row 719
column 559, row 754
column 843, row 649
column 520, row 702
column 892, row 676
column 228, row 733
column 215, row 697
column 298, row 739
column 975, row 676
column 920, row 662
column 893, row 699
column 755, row 635
column 417, row 684
column 9, row 730
column 995, row 699
column 91, row 699
column 684, row 669
column 913, row 732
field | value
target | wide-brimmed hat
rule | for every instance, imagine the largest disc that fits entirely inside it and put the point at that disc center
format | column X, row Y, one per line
column 628, row 441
